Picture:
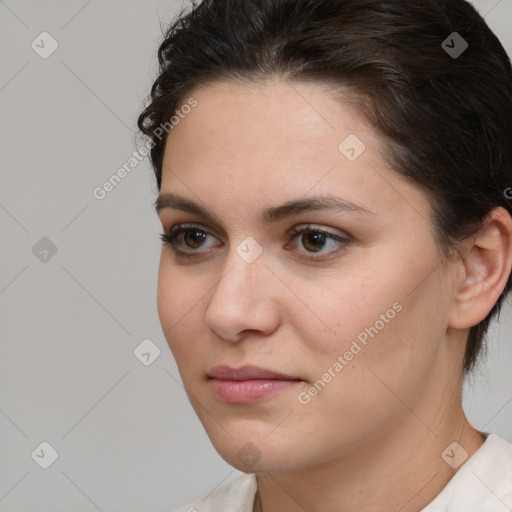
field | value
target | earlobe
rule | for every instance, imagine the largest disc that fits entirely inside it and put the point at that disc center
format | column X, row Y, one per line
column 485, row 270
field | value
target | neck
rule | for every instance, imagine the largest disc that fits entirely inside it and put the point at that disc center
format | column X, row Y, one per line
column 401, row 470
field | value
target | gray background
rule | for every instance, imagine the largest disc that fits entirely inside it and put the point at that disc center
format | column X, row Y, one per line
column 126, row 437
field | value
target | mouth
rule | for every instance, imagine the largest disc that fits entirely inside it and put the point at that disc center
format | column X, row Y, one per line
column 248, row 384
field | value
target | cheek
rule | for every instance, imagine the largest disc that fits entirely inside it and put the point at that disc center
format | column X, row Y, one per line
column 167, row 296
column 372, row 320
column 345, row 311
column 389, row 348
column 179, row 305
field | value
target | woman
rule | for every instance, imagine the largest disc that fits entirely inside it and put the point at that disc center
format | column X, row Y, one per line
column 337, row 237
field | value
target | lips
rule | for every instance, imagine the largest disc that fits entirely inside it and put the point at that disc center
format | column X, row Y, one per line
column 246, row 373
column 248, row 384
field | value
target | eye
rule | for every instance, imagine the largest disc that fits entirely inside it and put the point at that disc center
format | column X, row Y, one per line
column 316, row 240
column 186, row 239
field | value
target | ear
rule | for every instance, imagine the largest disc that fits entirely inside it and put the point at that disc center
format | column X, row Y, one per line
column 484, row 270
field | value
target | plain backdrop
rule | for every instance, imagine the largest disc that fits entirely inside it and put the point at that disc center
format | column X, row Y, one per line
column 78, row 275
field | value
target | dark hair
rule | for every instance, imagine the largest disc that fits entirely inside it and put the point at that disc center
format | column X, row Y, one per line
column 445, row 110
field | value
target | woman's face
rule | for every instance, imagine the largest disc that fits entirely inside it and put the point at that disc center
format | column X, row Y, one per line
column 307, row 257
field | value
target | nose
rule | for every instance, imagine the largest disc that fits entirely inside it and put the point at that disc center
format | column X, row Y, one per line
column 244, row 301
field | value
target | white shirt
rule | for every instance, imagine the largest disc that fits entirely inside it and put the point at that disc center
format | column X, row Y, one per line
column 482, row 484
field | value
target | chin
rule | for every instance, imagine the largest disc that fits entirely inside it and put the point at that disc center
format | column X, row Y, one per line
column 251, row 451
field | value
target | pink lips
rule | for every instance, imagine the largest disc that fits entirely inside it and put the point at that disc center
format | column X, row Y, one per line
column 247, row 384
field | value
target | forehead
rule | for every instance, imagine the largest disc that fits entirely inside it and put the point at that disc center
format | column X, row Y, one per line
column 296, row 113
column 248, row 144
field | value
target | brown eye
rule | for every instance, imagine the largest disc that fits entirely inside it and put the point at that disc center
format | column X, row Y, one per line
column 313, row 241
column 189, row 240
column 194, row 238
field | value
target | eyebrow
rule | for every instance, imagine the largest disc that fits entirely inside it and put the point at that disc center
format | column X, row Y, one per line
column 269, row 215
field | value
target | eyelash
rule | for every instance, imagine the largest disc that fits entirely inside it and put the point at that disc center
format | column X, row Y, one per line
column 170, row 239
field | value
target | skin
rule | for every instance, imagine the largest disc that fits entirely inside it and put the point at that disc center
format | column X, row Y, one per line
column 372, row 439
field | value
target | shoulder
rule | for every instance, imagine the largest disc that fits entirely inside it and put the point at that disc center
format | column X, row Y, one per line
column 492, row 467
column 484, row 482
column 495, row 467
column 239, row 493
